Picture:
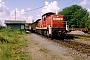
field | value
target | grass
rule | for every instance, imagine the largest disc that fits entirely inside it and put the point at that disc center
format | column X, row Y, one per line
column 84, row 38
column 11, row 44
column 43, row 50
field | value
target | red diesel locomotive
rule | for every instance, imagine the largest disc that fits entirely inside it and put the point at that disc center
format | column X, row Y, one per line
column 51, row 25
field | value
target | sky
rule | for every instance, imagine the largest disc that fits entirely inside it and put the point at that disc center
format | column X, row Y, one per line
column 29, row 10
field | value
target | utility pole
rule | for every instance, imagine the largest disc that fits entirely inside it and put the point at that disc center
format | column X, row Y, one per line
column 15, row 14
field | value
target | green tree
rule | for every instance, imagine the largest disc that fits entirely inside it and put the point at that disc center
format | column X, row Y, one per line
column 76, row 16
column 88, row 22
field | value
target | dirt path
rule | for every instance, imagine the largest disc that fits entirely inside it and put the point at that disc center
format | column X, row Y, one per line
column 40, row 48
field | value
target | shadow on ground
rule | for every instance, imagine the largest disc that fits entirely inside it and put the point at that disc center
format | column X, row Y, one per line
column 66, row 37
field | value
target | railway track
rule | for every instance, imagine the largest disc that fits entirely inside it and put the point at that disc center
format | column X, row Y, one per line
column 83, row 48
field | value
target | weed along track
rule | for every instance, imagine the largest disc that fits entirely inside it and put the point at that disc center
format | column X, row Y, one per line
column 87, row 36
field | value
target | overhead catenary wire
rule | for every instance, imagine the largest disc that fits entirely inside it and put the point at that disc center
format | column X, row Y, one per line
column 38, row 7
column 35, row 8
column 42, row 7
column 70, row 3
column 47, row 5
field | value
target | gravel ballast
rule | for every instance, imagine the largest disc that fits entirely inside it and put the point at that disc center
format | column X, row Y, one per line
column 77, row 32
column 66, row 53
